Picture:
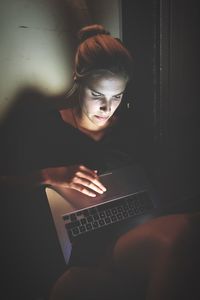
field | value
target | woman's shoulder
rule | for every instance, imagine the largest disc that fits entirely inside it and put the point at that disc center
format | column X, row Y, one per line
column 67, row 116
column 54, row 116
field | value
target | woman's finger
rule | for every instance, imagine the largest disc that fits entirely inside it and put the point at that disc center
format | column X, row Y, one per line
column 82, row 189
column 100, row 185
column 92, row 179
column 91, row 175
column 88, row 171
column 88, row 183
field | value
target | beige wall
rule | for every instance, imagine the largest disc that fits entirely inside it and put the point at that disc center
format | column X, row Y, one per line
column 38, row 42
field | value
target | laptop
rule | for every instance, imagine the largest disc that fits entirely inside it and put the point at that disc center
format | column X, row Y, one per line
column 129, row 200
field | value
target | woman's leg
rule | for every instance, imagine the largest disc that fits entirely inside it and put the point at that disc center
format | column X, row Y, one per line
column 138, row 267
column 177, row 275
column 161, row 257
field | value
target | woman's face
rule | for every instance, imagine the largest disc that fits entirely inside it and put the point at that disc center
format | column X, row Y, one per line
column 100, row 95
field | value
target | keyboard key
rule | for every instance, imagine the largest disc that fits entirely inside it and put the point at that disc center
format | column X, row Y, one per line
column 73, row 217
column 107, row 220
column 95, row 224
column 88, row 227
column 72, row 224
column 119, row 216
column 119, row 209
column 83, row 221
column 125, row 214
column 113, row 219
column 75, row 231
column 82, row 228
column 66, row 217
column 101, row 222
column 114, row 211
column 102, row 214
column 89, row 219
column 108, row 213
column 76, row 223
column 96, row 217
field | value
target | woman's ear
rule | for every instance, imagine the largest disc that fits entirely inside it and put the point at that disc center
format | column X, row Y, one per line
column 130, row 105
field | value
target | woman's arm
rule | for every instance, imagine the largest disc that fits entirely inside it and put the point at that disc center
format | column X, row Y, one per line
column 32, row 179
column 76, row 177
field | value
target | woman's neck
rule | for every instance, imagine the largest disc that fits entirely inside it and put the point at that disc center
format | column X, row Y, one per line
column 73, row 117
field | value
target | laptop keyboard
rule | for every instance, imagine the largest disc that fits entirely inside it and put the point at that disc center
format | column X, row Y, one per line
column 106, row 214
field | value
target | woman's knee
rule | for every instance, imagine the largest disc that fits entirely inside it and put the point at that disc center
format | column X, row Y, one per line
column 139, row 249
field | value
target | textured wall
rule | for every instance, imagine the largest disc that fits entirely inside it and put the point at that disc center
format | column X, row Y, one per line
column 38, row 40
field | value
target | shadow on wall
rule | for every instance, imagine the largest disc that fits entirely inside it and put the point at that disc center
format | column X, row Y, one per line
column 28, row 103
column 28, row 233
column 37, row 46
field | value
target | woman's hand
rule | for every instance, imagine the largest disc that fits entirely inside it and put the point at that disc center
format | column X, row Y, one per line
column 76, row 177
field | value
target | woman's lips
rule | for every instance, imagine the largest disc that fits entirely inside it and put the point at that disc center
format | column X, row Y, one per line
column 101, row 118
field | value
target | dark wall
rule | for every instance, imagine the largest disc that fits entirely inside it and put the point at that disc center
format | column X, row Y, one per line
column 140, row 23
column 163, row 35
column 179, row 94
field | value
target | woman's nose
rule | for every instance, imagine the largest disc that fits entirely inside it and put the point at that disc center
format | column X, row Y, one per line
column 106, row 106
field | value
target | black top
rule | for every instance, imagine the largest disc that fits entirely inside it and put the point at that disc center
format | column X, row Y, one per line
column 45, row 140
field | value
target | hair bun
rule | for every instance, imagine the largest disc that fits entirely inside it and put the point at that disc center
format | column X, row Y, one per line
column 91, row 30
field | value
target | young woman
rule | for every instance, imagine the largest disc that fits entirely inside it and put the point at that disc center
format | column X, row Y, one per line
column 69, row 147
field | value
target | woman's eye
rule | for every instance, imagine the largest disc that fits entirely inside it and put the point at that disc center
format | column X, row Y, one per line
column 95, row 94
column 118, row 97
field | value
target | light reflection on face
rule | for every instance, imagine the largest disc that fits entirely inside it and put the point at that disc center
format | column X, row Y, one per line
column 100, row 96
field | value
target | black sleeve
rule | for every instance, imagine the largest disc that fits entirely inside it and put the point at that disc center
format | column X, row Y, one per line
column 26, row 141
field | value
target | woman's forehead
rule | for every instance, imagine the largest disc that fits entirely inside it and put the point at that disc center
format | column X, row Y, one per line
column 106, row 80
